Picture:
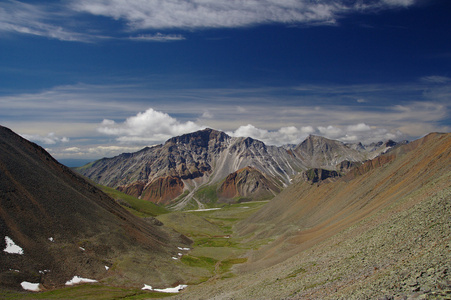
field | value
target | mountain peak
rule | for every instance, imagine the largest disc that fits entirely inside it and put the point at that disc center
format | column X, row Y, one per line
column 200, row 137
column 314, row 142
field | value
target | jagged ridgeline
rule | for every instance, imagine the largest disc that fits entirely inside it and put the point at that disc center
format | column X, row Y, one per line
column 208, row 166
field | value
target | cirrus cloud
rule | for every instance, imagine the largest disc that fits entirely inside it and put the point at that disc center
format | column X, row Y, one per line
column 66, row 21
column 143, row 14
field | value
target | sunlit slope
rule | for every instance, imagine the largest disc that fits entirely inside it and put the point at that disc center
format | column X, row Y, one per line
column 383, row 230
column 305, row 214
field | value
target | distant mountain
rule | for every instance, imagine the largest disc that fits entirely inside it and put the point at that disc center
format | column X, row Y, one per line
column 54, row 225
column 172, row 173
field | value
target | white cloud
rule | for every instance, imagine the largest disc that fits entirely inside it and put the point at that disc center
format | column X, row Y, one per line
column 399, row 2
column 73, row 149
column 143, row 14
column 292, row 135
column 108, row 151
column 24, row 18
column 330, row 131
column 146, row 127
column 49, row 139
column 436, row 79
column 66, row 21
column 360, row 133
column 282, row 136
column 207, row 115
column 158, row 37
column 359, row 127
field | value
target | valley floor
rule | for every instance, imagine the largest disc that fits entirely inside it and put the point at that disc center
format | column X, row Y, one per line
column 402, row 252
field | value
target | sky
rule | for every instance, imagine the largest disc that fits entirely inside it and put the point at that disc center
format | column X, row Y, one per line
column 87, row 79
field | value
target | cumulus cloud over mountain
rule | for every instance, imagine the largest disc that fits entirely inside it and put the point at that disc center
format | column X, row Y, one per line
column 149, row 126
column 153, row 126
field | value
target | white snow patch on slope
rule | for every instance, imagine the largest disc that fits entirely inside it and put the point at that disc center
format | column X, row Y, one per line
column 11, row 247
column 167, row 290
column 185, row 249
column 77, row 280
column 203, row 209
column 34, row 287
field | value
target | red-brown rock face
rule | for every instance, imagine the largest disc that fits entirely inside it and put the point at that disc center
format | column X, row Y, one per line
column 161, row 191
column 247, row 183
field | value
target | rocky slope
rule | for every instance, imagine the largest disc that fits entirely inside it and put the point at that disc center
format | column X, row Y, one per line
column 247, row 184
column 59, row 226
column 381, row 232
column 184, row 164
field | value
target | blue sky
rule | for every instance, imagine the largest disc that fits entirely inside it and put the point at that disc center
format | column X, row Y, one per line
column 91, row 78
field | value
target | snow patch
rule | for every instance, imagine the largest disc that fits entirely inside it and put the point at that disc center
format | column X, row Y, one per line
column 167, row 290
column 175, row 257
column 11, row 247
column 204, row 209
column 107, row 268
column 183, row 249
column 51, row 239
column 81, row 248
column 77, row 280
column 34, row 287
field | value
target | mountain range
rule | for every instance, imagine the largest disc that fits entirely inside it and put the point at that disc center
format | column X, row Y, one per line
column 382, row 231
column 180, row 172
column 376, row 225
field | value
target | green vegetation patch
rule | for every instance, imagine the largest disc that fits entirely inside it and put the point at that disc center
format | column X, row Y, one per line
column 141, row 208
column 214, row 242
column 207, row 194
column 86, row 291
column 226, row 265
column 199, row 262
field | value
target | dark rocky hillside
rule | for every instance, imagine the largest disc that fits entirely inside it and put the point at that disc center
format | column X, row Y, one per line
column 66, row 227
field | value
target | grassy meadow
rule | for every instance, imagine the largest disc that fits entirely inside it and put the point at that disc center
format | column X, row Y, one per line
column 214, row 252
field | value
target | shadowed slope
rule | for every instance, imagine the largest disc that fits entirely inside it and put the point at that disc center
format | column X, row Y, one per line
column 67, row 227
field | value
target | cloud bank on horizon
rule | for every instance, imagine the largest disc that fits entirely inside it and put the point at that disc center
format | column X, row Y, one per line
column 152, row 127
column 130, row 125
